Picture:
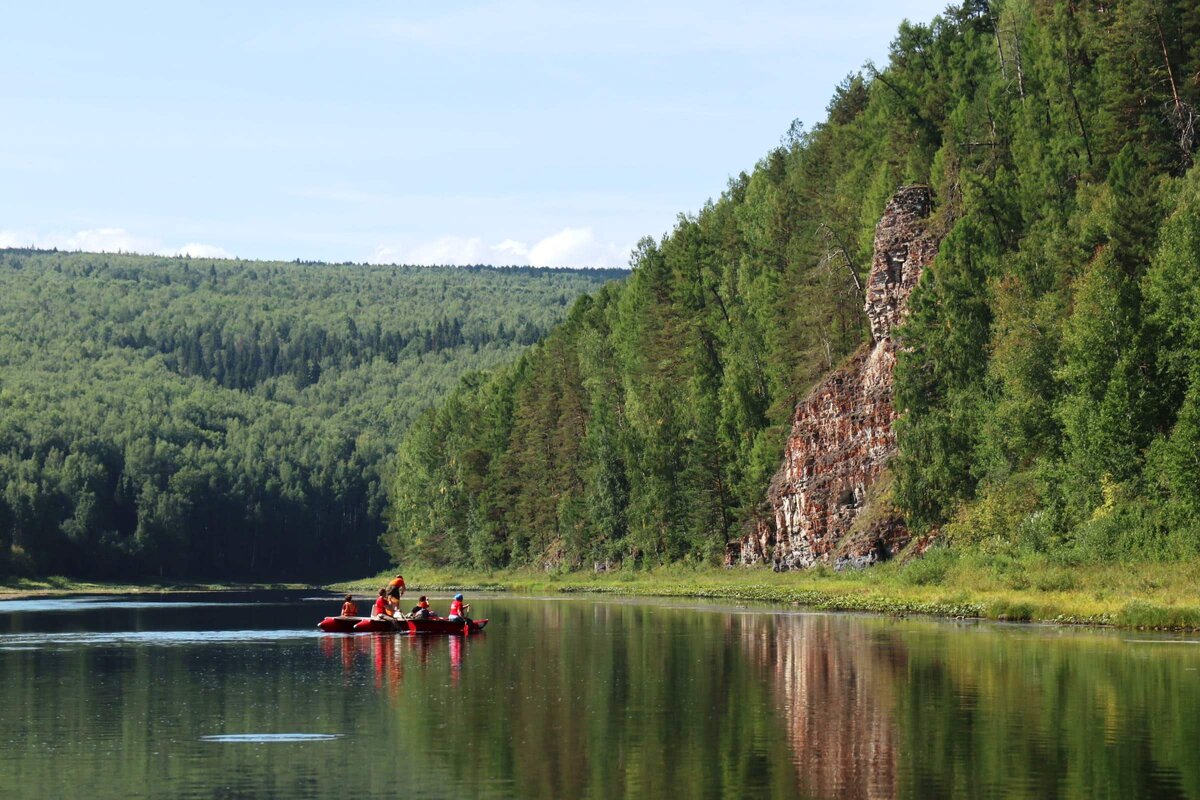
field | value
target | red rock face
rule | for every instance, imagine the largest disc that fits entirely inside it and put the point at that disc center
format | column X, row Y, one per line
column 842, row 436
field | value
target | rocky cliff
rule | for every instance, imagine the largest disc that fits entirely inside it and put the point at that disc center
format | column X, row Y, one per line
column 841, row 436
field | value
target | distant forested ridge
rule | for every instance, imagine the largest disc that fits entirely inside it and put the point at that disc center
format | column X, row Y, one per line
column 193, row 418
column 1049, row 385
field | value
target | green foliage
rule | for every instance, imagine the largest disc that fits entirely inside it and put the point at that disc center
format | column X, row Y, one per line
column 232, row 420
column 1046, row 366
column 1049, row 388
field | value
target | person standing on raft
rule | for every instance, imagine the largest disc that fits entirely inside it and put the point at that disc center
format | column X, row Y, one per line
column 395, row 590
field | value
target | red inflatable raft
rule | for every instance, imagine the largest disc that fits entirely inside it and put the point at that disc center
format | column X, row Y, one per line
column 339, row 624
column 366, row 624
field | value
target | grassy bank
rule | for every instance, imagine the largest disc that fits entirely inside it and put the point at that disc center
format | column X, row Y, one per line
column 58, row 585
column 943, row 583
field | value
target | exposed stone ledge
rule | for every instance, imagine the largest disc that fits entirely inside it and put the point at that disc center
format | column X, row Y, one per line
column 842, row 436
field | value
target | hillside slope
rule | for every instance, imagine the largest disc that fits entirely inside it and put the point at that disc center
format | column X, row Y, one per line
column 1048, row 387
column 227, row 420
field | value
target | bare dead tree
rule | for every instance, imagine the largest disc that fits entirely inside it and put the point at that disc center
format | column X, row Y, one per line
column 840, row 246
column 1179, row 113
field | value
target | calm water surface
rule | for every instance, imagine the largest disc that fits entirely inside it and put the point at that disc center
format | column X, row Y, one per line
column 238, row 696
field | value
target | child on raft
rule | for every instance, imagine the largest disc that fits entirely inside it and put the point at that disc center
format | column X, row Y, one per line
column 458, row 610
column 421, row 609
column 349, row 609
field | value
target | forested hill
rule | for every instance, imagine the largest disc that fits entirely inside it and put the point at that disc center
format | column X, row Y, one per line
column 193, row 418
column 1049, row 383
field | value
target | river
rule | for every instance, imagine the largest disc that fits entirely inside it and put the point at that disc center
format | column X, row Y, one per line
column 238, row 696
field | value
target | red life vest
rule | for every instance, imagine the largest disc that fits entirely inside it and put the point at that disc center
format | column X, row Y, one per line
column 456, row 608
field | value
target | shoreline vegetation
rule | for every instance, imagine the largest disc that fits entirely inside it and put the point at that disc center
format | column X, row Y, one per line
column 943, row 583
column 1162, row 596
column 57, row 585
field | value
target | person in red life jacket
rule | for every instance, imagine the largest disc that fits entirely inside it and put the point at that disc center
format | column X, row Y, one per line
column 421, row 609
column 349, row 609
column 458, row 610
column 383, row 609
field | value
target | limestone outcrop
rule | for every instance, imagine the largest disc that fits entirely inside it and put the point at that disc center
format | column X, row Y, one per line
column 841, row 437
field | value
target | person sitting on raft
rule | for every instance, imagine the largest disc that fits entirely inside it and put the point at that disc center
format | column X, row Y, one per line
column 383, row 609
column 421, row 609
column 349, row 609
column 458, row 610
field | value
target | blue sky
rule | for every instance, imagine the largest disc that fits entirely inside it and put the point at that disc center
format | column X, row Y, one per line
column 449, row 133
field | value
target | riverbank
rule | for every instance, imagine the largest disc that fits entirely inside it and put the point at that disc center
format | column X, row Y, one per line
column 58, row 585
column 942, row 583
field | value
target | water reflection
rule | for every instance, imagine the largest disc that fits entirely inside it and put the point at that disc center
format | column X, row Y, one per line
column 591, row 698
column 877, row 709
column 835, row 684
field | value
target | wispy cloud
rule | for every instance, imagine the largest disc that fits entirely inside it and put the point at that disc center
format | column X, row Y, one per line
column 339, row 194
column 108, row 240
column 570, row 247
column 31, row 163
column 17, row 239
column 200, row 250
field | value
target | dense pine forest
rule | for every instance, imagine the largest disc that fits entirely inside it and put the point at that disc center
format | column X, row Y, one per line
column 192, row 418
column 1050, row 385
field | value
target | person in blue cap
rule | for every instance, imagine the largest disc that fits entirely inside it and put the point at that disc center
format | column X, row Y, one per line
column 458, row 610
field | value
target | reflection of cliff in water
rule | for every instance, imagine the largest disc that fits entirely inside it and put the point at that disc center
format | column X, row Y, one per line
column 834, row 680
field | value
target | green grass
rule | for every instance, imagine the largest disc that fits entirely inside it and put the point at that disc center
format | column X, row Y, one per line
column 942, row 583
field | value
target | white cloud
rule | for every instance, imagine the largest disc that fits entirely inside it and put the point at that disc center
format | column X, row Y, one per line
column 198, row 250
column 454, row 250
column 570, row 247
column 17, row 239
column 516, row 252
column 107, row 240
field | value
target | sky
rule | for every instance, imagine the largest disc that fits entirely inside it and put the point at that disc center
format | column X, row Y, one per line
column 543, row 133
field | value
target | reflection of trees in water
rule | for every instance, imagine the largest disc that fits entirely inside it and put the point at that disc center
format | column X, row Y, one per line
column 621, row 700
column 579, row 700
column 879, row 708
column 835, row 680
column 1046, row 712
column 583, row 699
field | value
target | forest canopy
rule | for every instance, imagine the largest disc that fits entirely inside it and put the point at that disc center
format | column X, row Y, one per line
column 219, row 419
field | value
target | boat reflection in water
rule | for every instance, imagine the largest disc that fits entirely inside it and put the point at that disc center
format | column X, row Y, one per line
column 390, row 654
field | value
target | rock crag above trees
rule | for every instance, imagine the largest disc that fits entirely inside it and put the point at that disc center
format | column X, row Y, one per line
column 842, row 437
